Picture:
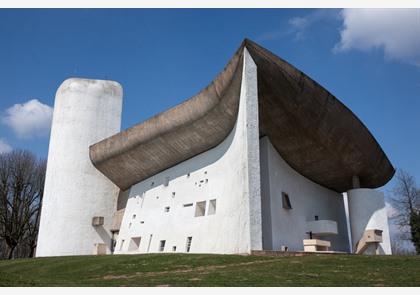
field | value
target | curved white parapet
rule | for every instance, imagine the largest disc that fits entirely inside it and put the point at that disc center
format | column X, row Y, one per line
column 85, row 112
column 367, row 212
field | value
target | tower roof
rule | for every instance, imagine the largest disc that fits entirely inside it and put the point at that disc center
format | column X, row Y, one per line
column 311, row 129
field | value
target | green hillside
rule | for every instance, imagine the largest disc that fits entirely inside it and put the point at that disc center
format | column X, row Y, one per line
column 212, row 270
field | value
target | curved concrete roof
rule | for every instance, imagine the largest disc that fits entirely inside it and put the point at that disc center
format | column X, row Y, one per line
column 312, row 130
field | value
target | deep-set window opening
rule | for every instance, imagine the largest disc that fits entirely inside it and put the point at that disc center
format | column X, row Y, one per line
column 212, row 207
column 134, row 244
column 162, row 245
column 188, row 244
column 200, row 209
column 286, row 201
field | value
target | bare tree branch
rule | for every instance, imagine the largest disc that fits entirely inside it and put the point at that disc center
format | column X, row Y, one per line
column 22, row 178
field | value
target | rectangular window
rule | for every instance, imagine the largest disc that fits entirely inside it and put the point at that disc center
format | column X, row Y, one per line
column 212, row 207
column 134, row 244
column 167, row 209
column 286, row 201
column 200, row 208
column 162, row 245
column 188, row 244
column 188, row 205
column 173, row 248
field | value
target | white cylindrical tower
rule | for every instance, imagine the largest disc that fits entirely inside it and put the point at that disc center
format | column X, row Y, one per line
column 367, row 211
column 85, row 112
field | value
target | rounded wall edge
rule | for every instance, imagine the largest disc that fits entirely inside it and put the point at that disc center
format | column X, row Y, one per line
column 367, row 211
column 84, row 85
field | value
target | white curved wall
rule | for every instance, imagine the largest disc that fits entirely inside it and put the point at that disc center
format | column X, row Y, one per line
column 367, row 211
column 228, row 173
column 85, row 112
column 288, row 227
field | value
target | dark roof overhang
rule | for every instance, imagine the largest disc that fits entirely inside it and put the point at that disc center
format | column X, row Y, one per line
column 312, row 130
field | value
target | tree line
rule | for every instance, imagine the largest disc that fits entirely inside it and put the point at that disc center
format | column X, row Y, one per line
column 22, row 177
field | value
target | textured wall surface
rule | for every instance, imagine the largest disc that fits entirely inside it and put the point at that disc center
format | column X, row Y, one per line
column 223, row 173
column 288, row 227
column 367, row 211
column 85, row 112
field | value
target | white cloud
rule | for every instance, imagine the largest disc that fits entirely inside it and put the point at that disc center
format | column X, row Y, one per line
column 4, row 146
column 300, row 24
column 395, row 31
column 29, row 119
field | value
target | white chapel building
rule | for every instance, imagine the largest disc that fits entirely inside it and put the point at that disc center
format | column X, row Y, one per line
column 259, row 160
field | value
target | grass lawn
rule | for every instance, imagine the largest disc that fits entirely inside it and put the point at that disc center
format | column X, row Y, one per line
column 212, row 270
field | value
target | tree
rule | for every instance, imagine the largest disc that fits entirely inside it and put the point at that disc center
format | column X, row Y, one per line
column 22, row 178
column 33, row 225
column 406, row 199
column 415, row 230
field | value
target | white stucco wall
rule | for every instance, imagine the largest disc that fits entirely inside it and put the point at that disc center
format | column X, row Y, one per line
column 85, row 112
column 288, row 227
column 367, row 211
column 224, row 173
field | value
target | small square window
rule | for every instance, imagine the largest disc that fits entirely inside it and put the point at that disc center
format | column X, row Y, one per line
column 162, row 245
column 134, row 244
column 212, row 207
column 167, row 209
column 200, row 209
column 173, row 248
column 286, row 201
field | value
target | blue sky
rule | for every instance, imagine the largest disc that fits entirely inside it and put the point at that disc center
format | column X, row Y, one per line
column 370, row 60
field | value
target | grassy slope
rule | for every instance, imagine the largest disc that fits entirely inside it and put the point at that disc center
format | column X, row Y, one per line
column 212, row 270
